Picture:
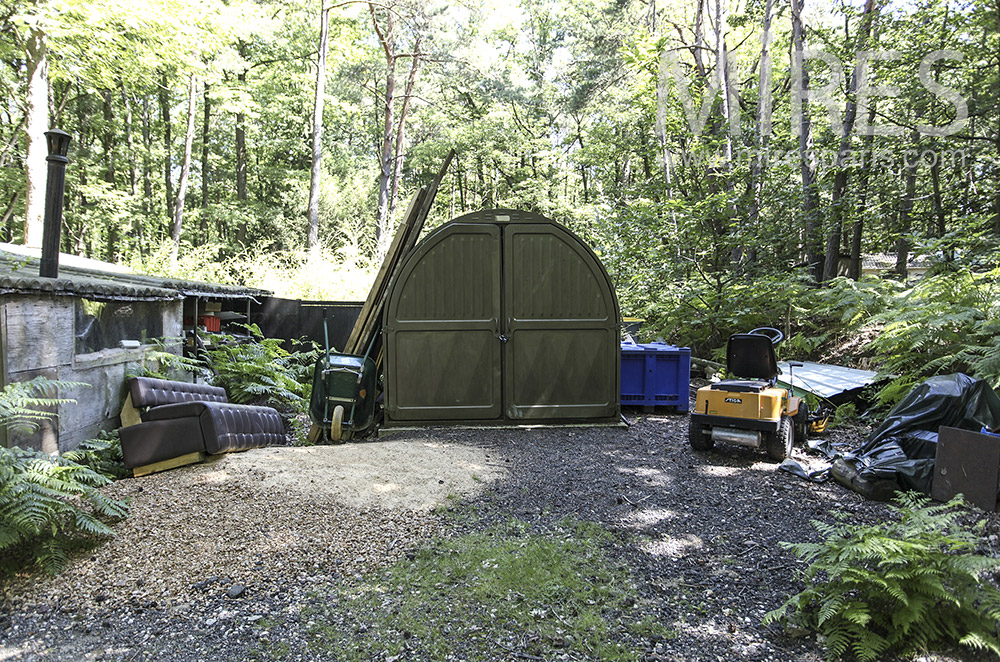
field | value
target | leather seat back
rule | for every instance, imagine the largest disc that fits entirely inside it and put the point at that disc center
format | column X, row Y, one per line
column 150, row 392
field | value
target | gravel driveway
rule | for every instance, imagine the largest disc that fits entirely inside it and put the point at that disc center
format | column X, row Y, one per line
column 214, row 561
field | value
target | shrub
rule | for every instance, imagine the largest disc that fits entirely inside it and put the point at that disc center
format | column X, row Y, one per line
column 261, row 371
column 23, row 404
column 103, row 455
column 46, row 504
column 906, row 586
column 946, row 323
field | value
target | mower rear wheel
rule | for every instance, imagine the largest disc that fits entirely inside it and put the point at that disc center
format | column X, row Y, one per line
column 801, row 420
column 779, row 444
column 801, row 431
column 696, row 435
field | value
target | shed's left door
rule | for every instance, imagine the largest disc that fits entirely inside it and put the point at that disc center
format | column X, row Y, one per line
column 443, row 360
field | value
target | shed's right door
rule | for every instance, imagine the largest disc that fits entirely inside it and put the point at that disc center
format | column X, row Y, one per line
column 561, row 326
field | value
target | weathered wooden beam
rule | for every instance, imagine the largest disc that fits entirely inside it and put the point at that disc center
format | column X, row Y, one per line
column 172, row 463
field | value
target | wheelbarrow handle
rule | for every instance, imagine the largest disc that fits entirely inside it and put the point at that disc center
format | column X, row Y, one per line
column 338, row 369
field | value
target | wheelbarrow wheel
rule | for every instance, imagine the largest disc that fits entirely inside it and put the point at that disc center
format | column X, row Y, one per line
column 337, row 424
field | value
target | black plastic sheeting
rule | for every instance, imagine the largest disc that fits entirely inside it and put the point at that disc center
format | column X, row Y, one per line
column 903, row 447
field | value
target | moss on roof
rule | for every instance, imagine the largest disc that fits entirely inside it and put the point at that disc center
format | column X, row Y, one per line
column 19, row 274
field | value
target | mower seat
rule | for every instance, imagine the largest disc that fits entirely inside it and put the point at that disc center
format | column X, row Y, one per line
column 740, row 386
column 751, row 356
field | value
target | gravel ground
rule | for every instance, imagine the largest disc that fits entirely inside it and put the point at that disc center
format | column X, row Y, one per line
column 211, row 565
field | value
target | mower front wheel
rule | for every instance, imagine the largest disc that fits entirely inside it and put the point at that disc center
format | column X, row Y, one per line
column 696, row 435
column 779, row 444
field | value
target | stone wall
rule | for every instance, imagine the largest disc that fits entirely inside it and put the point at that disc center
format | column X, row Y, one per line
column 38, row 338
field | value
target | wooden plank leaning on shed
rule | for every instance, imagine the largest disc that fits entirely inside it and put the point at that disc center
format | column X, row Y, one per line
column 369, row 321
column 371, row 311
column 364, row 334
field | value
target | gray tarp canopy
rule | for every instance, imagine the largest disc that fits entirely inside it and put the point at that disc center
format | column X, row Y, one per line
column 832, row 382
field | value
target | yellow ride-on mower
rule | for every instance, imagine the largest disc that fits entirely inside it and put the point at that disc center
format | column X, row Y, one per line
column 749, row 410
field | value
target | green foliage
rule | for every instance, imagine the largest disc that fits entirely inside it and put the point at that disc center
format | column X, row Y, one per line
column 704, row 310
column 47, row 504
column 102, row 454
column 258, row 370
column 459, row 595
column 844, row 414
column 23, row 404
column 344, row 274
column 902, row 587
column 946, row 323
column 162, row 363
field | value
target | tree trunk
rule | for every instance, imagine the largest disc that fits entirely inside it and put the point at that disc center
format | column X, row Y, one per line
column 205, row 126
column 699, row 38
column 175, row 228
column 35, row 126
column 807, row 168
column 317, row 129
column 383, row 229
column 906, row 211
column 110, row 174
column 241, row 155
column 939, row 213
column 857, row 230
column 839, row 203
column 401, row 129
column 130, row 144
column 731, row 125
column 147, row 145
column 164, row 94
column 83, row 114
column 8, row 216
column 205, row 166
column 762, row 119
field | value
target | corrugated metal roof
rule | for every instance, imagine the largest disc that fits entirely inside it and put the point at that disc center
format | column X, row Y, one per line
column 887, row 261
column 101, row 280
column 827, row 381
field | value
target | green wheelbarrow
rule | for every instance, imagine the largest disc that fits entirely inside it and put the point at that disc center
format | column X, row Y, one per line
column 343, row 395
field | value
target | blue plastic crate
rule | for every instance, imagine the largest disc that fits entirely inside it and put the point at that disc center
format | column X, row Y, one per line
column 656, row 375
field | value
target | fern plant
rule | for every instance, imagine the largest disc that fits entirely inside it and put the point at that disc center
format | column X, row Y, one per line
column 261, row 371
column 910, row 585
column 947, row 323
column 103, row 454
column 23, row 404
column 163, row 363
column 47, row 504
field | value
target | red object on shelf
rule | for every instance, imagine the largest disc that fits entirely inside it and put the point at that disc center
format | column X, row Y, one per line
column 210, row 322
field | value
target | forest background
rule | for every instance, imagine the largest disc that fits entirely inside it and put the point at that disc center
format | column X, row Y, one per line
column 732, row 162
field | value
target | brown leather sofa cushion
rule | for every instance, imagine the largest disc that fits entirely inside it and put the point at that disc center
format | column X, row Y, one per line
column 229, row 427
column 150, row 392
column 157, row 441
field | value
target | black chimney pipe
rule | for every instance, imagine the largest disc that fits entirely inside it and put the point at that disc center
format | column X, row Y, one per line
column 58, row 142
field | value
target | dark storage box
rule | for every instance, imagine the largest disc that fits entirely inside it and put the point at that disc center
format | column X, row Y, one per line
column 656, row 374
